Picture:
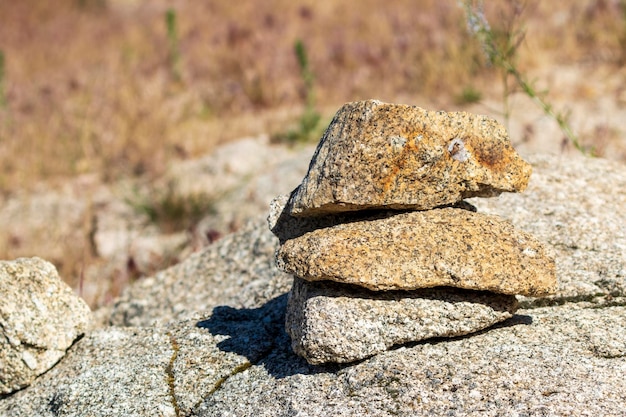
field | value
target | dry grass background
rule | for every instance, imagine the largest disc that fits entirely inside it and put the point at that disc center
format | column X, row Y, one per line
column 88, row 86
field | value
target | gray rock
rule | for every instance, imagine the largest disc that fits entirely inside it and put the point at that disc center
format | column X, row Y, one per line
column 541, row 362
column 40, row 317
column 567, row 357
column 237, row 362
column 238, row 270
column 113, row 371
column 377, row 155
column 330, row 322
column 153, row 371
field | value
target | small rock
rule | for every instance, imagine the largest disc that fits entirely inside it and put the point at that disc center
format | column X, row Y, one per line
column 40, row 317
column 440, row 247
column 331, row 322
column 376, row 155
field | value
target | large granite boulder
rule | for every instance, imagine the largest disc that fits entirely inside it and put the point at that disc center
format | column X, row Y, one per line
column 560, row 355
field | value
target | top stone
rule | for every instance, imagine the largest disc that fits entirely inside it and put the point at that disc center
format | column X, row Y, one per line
column 376, row 155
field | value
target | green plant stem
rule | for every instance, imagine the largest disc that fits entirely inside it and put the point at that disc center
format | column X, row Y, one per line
column 545, row 106
column 3, row 101
column 503, row 57
column 310, row 118
column 174, row 47
column 305, row 72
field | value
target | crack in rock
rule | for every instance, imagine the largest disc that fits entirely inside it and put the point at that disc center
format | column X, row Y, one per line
column 169, row 370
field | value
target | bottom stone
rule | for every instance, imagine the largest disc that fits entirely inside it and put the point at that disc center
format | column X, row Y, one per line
column 332, row 322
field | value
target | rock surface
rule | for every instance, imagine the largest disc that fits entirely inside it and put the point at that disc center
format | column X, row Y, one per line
column 538, row 364
column 585, row 230
column 423, row 249
column 564, row 355
column 40, row 317
column 239, row 271
column 379, row 155
column 237, row 362
column 330, row 322
column 576, row 206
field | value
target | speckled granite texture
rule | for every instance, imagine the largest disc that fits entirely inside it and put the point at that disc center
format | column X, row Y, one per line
column 40, row 318
column 560, row 355
column 423, row 249
column 380, row 155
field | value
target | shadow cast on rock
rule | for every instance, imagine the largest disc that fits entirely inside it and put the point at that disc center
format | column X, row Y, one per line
column 516, row 320
column 259, row 335
column 450, row 295
column 286, row 226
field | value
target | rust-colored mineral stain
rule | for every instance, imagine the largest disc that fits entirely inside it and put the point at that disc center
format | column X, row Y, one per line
column 493, row 156
column 400, row 160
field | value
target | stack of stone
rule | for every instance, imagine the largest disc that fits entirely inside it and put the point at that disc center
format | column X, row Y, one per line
column 384, row 250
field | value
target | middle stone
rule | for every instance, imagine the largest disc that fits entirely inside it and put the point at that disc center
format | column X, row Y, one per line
column 441, row 247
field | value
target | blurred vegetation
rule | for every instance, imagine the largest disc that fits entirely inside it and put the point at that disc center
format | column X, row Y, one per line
column 469, row 95
column 169, row 210
column 3, row 100
column 121, row 88
column 173, row 43
column 501, row 50
column 87, row 84
column 308, row 127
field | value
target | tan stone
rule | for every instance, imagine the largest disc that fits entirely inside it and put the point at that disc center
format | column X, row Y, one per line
column 378, row 155
column 440, row 247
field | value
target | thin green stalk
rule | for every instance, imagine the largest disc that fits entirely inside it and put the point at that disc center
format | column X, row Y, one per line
column 174, row 45
column 310, row 118
column 504, row 57
column 3, row 101
column 305, row 72
column 547, row 108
